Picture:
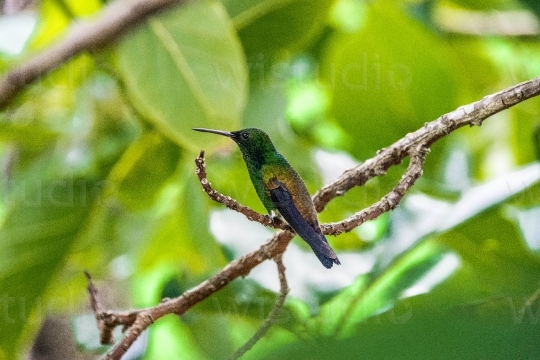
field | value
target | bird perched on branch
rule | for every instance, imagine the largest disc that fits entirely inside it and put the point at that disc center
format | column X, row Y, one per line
column 280, row 188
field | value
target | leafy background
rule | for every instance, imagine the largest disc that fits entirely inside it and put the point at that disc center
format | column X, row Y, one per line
column 97, row 174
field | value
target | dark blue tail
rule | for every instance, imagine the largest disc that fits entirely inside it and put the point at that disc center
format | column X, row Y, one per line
column 311, row 233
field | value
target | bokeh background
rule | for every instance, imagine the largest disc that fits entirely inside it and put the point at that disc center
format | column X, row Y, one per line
column 97, row 174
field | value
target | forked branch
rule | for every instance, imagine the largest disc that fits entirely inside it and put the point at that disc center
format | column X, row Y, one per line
column 414, row 145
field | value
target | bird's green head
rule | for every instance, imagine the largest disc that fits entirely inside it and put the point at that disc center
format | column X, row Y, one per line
column 254, row 143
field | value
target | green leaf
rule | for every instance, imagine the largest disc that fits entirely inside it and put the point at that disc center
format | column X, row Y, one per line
column 37, row 235
column 33, row 137
column 143, row 170
column 495, row 256
column 421, row 329
column 170, row 339
column 82, row 8
column 266, row 26
column 181, row 227
column 30, row 141
column 191, row 74
column 383, row 87
column 53, row 22
column 533, row 5
column 55, row 17
column 364, row 299
column 486, row 5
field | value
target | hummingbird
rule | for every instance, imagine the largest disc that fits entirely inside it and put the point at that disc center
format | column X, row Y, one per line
column 280, row 187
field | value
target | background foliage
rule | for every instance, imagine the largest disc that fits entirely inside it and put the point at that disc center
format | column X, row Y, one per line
column 97, row 174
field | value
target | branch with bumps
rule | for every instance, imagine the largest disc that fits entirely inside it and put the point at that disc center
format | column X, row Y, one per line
column 388, row 202
column 414, row 145
column 232, row 204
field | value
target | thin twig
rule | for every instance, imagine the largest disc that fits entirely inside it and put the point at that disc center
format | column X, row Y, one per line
column 106, row 335
column 232, row 204
column 388, row 202
column 535, row 297
column 272, row 317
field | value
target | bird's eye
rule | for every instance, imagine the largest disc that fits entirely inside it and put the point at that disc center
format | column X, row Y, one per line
column 245, row 136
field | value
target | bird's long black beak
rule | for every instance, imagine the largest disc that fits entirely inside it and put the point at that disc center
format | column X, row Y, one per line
column 219, row 132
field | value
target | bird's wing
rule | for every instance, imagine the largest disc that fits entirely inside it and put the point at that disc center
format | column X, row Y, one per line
column 283, row 201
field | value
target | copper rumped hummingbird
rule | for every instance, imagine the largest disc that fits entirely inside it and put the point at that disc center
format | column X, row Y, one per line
column 280, row 188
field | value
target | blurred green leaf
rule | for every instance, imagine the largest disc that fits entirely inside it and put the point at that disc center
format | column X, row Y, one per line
column 181, row 227
column 82, row 8
column 60, row 90
column 55, row 17
column 27, row 141
column 486, row 5
column 348, row 15
column 342, row 315
column 495, row 254
column 533, row 5
column 536, row 141
column 421, row 329
column 37, row 234
column 380, row 84
column 143, row 170
column 266, row 26
column 52, row 23
column 191, row 74
column 170, row 339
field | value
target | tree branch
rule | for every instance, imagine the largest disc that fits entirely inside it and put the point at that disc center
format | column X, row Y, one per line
column 471, row 114
column 414, row 145
column 232, row 204
column 105, row 331
column 388, row 202
column 114, row 20
column 138, row 320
